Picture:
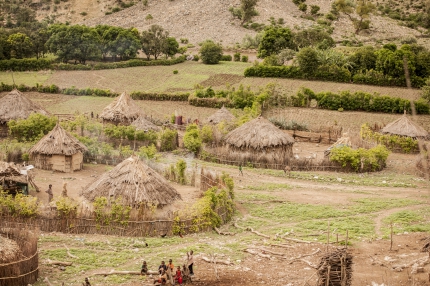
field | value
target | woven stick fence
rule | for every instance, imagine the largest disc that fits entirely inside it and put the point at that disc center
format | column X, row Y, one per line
column 26, row 270
column 335, row 269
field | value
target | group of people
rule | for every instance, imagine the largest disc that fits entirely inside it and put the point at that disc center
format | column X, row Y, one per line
column 168, row 273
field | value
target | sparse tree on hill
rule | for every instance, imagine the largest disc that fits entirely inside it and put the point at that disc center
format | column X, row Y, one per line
column 362, row 8
column 246, row 10
column 171, row 47
column 211, row 53
column 154, row 41
column 274, row 40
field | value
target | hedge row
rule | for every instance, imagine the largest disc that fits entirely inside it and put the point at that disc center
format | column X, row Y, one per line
column 40, row 88
column 43, row 64
column 210, row 102
column 332, row 73
column 358, row 101
column 159, row 96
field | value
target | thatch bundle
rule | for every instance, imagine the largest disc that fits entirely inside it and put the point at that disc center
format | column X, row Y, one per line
column 58, row 142
column 258, row 141
column 143, row 124
column 15, row 105
column 9, row 250
column 335, row 269
column 405, row 127
column 123, row 110
column 135, row 183
column 9, row 172
column 222, row 115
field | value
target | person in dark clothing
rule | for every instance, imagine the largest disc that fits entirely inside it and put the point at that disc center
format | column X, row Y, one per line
column 144, row 268
column 162, row 267
column 86, row 283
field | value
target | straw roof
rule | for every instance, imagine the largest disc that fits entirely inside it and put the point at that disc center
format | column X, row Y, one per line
column 221, row 115
column 122, row 109
column 258, row 133
column 143, row 124
column 15, row 105
column 134, row 182
column 345, row 140
column 58, row 142
column 9, row 250
column 10, row 172
column 405, row 127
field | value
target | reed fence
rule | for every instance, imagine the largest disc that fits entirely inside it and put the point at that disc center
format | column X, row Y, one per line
column 24, row 271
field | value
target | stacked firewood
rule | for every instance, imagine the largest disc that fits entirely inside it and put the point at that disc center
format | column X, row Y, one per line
column 335, row 269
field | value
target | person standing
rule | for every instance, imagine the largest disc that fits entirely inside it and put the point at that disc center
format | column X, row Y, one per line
column 50, row 194
column 190, row 262
column 240, row 169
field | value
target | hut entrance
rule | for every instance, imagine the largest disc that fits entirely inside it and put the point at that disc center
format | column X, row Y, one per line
column 68, row 164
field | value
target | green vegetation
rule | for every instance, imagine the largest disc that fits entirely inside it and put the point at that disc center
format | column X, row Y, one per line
column 192, row 138
column 210, row 52
column 360, row 160
column 246, row 10
column 33, row 128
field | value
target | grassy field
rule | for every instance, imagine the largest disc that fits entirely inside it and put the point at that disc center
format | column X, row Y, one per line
column 162, row 79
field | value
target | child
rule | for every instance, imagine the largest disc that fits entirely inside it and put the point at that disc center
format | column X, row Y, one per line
column 144, row 269
column 178, row 276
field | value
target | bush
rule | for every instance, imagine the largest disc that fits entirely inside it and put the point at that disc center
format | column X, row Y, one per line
column 196, row 58
column 139, row 95
column 206, row 134
column 175, row 72
column 245, row 59
column 168, row 140
column 236, row 57
column 360, row 160
column 274, row 71
column 33, row 128
column 226, row 58
column 25, row 64
column 211, row 53
column 192, row 140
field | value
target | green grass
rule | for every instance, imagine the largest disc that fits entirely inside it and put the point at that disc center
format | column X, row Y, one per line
column 407, row 221
column 269, row 187
column 26, row 78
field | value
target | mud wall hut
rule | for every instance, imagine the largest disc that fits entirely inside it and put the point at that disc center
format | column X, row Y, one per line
column 122, row 111
column 135, row 183
column 258, row 142
column 58, row 151
column 14, row 106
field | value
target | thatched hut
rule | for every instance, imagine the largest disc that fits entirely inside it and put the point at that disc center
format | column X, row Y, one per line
column 122, row 111
column 258, row 142
column 58, row 150
column 404, row 126
column 345, row 140
column 135, row 183
column 222, row 115
column 144, row 124
column 14, row 106
column 11, row 179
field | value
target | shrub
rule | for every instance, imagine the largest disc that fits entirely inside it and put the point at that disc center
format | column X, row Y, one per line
column 159, row 96
column 25, row 64
column 211, row 53
column 206, row 134
column 168, row 140
column 245, row 59
column 175, row 72
column 181, row 166
column 148, row 152
column 196, row 58
column 32, row 128
column 236, row 57
column 192, row 139
column 226, row 58
column 360, row 160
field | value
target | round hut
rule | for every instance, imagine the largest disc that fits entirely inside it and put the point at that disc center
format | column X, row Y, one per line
column 11, row 179
column 222, row 115
column 135, row 183
column 258, row 142
column 143, row 124
column 404, row 126
column 14, row 106
column 58, row 151
column 122, row 111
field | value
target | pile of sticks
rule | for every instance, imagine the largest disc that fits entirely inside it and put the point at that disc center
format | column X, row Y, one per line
column 335, row 269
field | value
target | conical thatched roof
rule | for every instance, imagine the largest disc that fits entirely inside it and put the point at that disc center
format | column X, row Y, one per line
column 58, row 142
column 10, row 172
column 258, row 134
column 221, row 115
column 405, row 127
column 15, row 105
column 122, row 109
column 143, row 124
column 135, row 183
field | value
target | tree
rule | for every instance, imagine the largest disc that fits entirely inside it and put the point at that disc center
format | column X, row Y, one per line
column 39, row 36
column 307, row 59
column 211, row 53
column 313, row 37
column 362, row 8
column 246, row 10
column 425, row 91
column 171, row 47
column 78, row 43
column 154, row 41
column 32, row 128
column 117, row 41
column 363, row 59
column 274, row 40
column 21, row 46
column 192, row 140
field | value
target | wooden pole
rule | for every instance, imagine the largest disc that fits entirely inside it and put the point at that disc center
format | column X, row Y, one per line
column 346, row 239
column 337, row 238
column 391, row 236
column 328, row 234
column 327, row 282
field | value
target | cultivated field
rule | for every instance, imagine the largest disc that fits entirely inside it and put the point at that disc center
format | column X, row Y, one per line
column 162, row 79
